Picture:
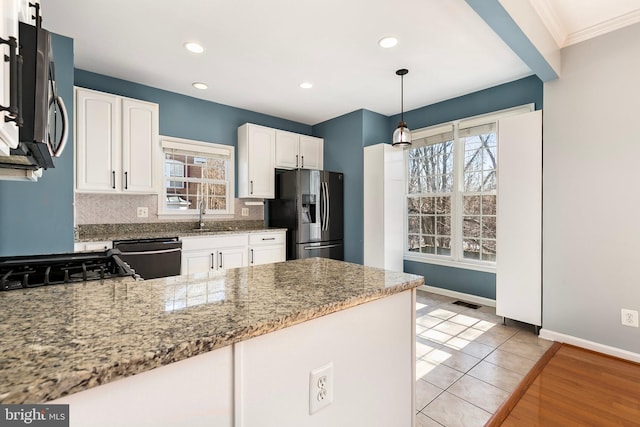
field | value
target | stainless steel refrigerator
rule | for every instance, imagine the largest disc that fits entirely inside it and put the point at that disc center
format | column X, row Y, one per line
column 309, row 204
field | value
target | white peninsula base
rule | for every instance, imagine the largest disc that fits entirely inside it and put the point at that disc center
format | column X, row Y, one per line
column 264, row 381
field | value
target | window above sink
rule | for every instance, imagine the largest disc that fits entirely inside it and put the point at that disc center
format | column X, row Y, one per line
column 196, row 173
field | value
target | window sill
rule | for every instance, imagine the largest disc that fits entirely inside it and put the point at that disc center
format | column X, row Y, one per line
column 450, row 263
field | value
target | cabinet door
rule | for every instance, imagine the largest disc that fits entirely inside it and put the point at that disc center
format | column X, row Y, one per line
column 197, row 262
column 139, row 140
column 261, row 146
column 231, row 258
column 97, row 141
column 8, row 27
column 287, row 150
column 266, row 254
column 311, row 152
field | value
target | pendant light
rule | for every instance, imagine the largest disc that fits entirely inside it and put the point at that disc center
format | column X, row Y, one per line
column 402, row 134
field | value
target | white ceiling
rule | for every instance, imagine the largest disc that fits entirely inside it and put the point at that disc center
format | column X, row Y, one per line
column 259, row 51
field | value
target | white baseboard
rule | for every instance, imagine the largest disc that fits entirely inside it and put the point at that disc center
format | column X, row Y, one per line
column 589, row 345
column 459, row 295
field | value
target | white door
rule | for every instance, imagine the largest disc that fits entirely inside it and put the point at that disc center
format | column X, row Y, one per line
column 8, row 27
column 287, row 150
column 197, row 262
column 266, row 254
column 261, row 149
column 139, row 139
column 311, row 152
column 231, row 258
column 97, row 141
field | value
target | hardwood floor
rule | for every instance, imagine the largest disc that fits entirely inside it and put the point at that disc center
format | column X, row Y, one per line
column 577, row 387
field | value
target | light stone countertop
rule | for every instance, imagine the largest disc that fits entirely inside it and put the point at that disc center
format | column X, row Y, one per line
column 63, row 339
column 128, row 235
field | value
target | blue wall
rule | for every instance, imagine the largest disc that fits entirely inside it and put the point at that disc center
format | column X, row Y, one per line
column 187, row 117
column 346, row 136
column 37, row 217
column 523, row 91
column 343, row 142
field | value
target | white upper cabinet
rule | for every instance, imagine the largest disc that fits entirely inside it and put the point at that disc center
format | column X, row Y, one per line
column 116, row 139
column 295, row 151
column 8, row 28
column 256, row 162
column 139, row 139
column 311, row 152
column 287, row 150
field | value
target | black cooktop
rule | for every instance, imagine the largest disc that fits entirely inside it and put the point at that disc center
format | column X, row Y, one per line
column 30, row 271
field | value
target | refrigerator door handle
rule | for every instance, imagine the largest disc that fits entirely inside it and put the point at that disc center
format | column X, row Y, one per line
column 320, row 247
column 325, row 213
column 328, row 208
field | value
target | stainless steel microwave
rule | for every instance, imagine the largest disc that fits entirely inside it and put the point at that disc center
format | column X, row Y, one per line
column 42, row 116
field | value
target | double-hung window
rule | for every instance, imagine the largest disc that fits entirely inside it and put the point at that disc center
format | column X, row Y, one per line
column 197, row 175
column 451, row 192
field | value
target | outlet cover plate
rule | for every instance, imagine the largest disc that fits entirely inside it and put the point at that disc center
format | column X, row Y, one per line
column 143, row 212
column 320, row 388
column 629, row 317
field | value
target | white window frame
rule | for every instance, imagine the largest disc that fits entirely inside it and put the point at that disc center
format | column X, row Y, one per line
column 205, row 149
column 456, row 258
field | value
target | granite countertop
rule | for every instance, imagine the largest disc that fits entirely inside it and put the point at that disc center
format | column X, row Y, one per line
column 63, row 339
column 110, row 232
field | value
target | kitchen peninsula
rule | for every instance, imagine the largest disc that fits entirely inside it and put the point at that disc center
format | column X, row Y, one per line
column 232, row 348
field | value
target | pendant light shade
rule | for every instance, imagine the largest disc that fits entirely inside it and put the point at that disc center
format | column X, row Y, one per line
column 402, row 134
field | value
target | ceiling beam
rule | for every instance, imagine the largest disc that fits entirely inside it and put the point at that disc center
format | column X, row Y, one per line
column 520, row 27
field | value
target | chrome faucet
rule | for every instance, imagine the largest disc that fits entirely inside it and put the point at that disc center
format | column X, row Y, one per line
column 201, row 214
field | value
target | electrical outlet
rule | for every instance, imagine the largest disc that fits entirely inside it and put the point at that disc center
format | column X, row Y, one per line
column 320, row 388
column 245, row 211
column 629, row 317
column 143, row 212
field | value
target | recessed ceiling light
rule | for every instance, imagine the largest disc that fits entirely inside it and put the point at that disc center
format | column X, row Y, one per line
column 306, row 85
column 194, row 47
column 199, row 85
column 387, row 42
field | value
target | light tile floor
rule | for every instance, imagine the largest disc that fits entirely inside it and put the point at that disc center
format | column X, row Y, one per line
column 467, row 361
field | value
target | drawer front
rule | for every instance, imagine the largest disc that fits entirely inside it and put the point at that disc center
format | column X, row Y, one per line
column 209, row 242
column 274, row 238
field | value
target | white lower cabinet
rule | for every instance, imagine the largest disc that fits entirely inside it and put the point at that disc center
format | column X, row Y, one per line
column 267, row 248
column 194, row 392
column 212, row 253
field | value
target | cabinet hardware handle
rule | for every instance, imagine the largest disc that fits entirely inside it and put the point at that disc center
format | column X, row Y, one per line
column 268, row 238
column 213, row 263
column 113, row 179
column 296, row 160
column 15, row 83
column 220, row 257
column 251, row 192
column 126, row 180
column 251, row 256
column 302, row 163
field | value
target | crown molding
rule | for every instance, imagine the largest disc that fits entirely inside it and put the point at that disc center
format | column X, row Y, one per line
column 603, row 28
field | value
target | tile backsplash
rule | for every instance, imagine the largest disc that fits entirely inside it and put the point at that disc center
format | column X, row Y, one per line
column 122, row 209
